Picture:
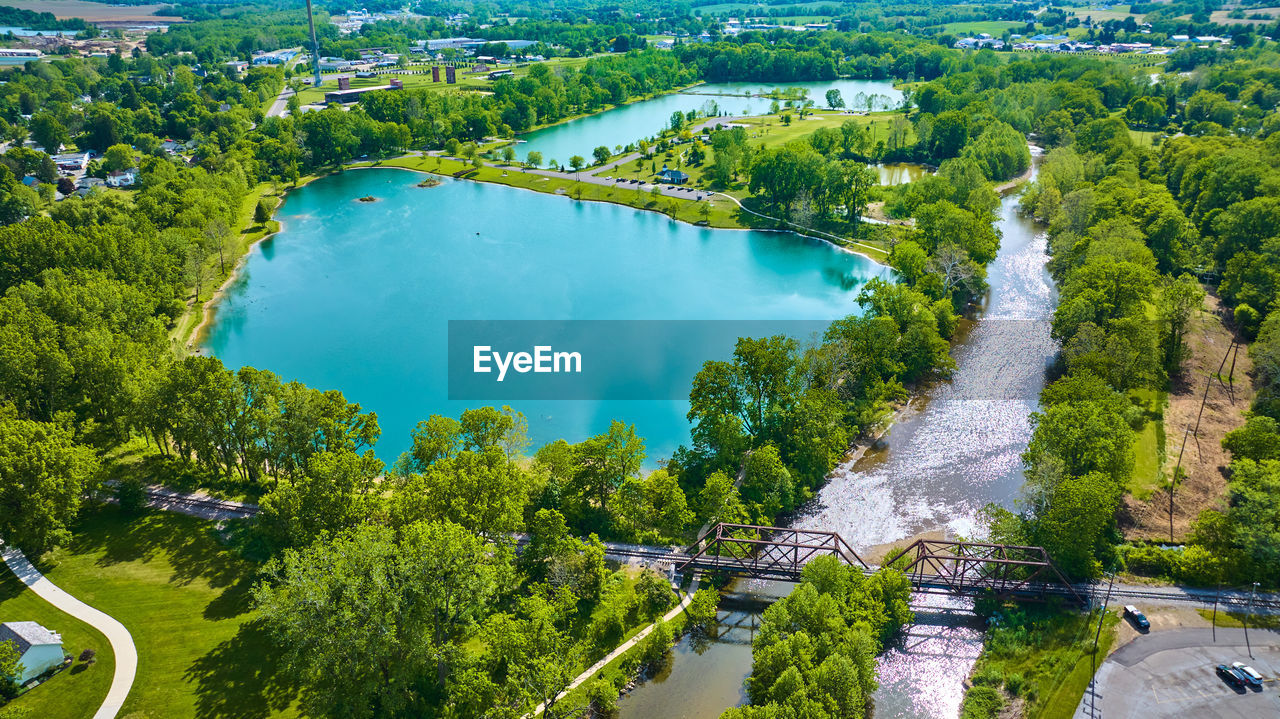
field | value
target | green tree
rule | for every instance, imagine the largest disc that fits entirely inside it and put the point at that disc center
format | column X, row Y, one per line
column 333, row 494
column 262, row 211
column 48, row 132
column 44, row 476
column 834, row 100
column 601, row 154
column 10, row 667
column 384, row 612
column 118, row 158
column 535, row 159
column 577, row 163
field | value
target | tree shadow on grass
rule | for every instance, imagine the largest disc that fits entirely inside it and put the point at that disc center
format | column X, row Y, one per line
column 192, row 549
column 241, row 678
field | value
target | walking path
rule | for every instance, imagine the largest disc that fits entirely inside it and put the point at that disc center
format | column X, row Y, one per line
column 622, row 648
column 121, row 641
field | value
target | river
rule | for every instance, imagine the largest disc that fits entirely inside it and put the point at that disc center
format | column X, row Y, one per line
column 357, row 296
column 629, row 123
column 955, row 450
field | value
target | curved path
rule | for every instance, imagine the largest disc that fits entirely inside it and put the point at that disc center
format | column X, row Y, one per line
column 121, row 641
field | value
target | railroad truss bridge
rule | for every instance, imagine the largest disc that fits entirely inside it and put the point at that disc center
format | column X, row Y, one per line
column 933, row 566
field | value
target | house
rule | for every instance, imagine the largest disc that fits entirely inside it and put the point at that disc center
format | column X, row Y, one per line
column 122, row 178
column 39, row 649
column 171, row 147
column 675, row 177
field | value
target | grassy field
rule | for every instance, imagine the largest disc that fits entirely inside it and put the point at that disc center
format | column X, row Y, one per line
column 1045, row 656
column 1149, row 448
column 185, row 600
column 1237, row 619
column 77, row 691
column 993, row 28
column 1143, row 138
column 466, row 79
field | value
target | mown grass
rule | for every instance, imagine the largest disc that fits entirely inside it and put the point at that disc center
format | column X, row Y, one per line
column 1149, row 448
column 1237, row 619
column 185, row 599
column 77, row 691
column 1044, row 655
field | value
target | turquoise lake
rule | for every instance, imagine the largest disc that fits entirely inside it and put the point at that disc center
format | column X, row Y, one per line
column 629, row 123
column 356, row 296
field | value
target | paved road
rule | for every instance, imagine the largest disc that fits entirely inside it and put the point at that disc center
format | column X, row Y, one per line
column 1170, row 674
column 121, row 641
column 279, row 108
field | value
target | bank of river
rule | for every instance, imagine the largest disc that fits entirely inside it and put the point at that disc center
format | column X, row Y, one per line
column 956, row 450
column 629, row 123
column 357, row 296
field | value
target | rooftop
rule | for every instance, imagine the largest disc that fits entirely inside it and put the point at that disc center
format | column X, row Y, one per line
column 27, row 634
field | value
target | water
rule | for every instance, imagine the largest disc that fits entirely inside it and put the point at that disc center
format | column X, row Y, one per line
column 900, row 173
column 356, row 296
column 629, row 123
column 28, row 32
column 957, row 450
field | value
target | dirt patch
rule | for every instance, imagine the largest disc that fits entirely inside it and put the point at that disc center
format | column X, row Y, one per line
column 1204, row 461
column 876, row 554
column 95, row 12
column 1162, row 619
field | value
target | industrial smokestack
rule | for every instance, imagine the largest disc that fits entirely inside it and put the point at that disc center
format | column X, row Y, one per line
column 315, row 46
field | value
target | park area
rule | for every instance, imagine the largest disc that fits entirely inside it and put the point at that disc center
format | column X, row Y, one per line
column 185, row 599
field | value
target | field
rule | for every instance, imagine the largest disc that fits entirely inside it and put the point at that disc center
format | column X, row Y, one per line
column 1044, row 657
column 1220, row 16
column 753, row 9
column 77, row 691
column 97, row 12
column 993, row 28
column 184, row 598
column 466, row 79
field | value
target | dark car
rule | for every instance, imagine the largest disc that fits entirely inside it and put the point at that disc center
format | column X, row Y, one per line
column 1138, row 618
column 1250, row 675
column 1230, row 675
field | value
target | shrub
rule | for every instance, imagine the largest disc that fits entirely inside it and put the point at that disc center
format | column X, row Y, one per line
column 702, row 610
column 653, row 594
column 988, row 677
column 602, row 698
column 981, row 702
column 1015, row 684
column 653, row 649
column 89, row 656
column 131, row 495
column 262, row 211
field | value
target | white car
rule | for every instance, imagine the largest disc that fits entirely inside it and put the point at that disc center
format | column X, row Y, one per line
column 1250, row 674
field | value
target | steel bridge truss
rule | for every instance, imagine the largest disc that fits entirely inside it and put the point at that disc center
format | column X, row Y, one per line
column 764, row 552
column 974, row 568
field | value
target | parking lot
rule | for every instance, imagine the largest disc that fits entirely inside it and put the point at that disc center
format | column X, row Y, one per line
column 1171, row 674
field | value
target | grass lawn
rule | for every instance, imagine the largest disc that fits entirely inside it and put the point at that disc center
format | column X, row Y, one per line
column 994, row 28
column 1149, row 449
column 77, row 691
column 1237, row 619
column 1049, row 653
column 1143, row 138
column 466, row 78
column 185, row 600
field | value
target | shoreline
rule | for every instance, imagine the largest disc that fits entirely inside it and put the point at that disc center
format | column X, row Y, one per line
column 208, row 309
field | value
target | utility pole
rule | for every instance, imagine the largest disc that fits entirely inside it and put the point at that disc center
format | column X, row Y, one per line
column 1098, row 634
column 1214, row 621
column 1252, row 592
column 1173, row 481
column 315, row 45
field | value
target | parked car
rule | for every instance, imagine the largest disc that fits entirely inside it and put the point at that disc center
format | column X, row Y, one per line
column 1138, row 618
column 1230, row 675
column 1251, row 675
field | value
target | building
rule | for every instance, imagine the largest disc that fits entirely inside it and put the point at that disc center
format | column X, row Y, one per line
column 342, row 96
column 39, row 649
column 675, row 177
column 72, row 162
column 501, row 73
column 122, row 178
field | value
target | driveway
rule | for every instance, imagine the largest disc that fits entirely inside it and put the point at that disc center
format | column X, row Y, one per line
column 1171, row 674
column 121, row 641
